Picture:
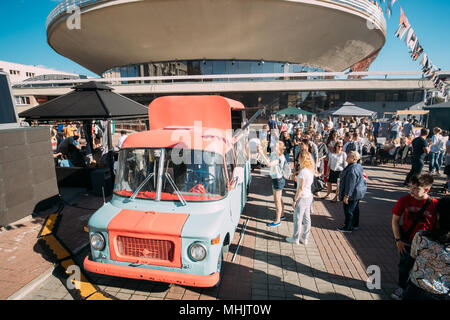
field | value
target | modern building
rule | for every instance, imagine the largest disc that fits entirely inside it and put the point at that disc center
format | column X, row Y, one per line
column 20, row 73
column 267, row 54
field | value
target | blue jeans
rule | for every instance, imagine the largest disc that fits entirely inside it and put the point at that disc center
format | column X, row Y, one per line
column 440, row 160
column 351, row 211
column 296, row 152
column 393, row 135
column 286, row 156
column 433, row 165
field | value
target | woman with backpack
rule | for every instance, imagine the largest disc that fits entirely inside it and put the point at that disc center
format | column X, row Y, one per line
column 276, row 164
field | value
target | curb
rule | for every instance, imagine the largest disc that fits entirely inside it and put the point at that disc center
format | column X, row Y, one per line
column 28, row 288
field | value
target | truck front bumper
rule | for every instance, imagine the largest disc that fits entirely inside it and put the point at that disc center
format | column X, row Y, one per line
column 183, row 279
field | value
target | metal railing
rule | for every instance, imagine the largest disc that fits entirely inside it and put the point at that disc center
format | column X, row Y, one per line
column 274, row 77
column 362, row 5
column 62, row 8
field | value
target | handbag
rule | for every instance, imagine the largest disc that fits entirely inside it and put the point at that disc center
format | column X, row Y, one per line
column 286, row 171
column 318, row 184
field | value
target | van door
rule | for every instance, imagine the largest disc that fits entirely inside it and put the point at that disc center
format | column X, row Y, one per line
column 234, row 188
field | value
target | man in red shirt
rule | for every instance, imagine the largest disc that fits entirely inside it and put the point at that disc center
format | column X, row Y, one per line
column 406, row 211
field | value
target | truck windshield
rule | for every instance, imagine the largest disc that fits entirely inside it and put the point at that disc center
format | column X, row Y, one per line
column 195, row 175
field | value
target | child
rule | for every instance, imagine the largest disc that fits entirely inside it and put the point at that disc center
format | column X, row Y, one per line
column 429, row 276
column 408, row 209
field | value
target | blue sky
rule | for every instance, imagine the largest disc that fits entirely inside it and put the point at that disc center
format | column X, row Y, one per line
column 23, row 36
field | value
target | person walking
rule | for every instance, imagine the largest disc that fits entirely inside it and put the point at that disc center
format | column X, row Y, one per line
column 435, row 149
column 352, row 189
column 376, row 125
column 429, row 277
column 276, row 164
column 408, row 127
column 420, row 150
column 297, row 145
column 415, row 211
column 288, row 145
column 322, row 153
column 303, row 199
column 395, row 128
column 336, row 164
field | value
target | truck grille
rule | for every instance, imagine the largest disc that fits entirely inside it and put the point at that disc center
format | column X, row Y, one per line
column 145, row 248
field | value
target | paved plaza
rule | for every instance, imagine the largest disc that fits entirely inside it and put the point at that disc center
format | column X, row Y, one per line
column 332, row 266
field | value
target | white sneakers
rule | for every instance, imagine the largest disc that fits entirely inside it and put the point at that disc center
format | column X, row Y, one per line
column 293, row 241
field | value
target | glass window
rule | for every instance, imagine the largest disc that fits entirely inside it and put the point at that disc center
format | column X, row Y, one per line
column 218, row 67
column 410, row 96
column 137, row 168
column 244, row 67
column 231, row 67
column 229, row 159
column 380, row 96
column 199, row 176
column 206, row 67
column 268, row 67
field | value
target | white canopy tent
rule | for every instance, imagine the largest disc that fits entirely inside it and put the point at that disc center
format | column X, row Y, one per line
column 348, row 109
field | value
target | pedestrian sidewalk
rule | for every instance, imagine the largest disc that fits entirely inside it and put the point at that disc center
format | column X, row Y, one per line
column 332, row 266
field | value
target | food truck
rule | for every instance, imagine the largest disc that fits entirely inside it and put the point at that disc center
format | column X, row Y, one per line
column 178, row 196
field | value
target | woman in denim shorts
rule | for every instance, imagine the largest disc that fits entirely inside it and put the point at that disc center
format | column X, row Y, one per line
column 276, row 164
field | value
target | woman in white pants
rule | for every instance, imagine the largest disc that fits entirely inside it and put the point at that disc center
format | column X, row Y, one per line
column 303, row 200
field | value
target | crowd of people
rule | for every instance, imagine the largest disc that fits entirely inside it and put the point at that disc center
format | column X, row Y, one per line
column 69, row 144
column 324, row 151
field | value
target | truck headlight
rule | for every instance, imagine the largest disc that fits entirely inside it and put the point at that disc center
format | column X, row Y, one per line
column 198, row 251
column 97, row 241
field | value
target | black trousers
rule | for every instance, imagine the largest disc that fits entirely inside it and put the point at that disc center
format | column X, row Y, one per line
column 416, row 168
column 404, row 267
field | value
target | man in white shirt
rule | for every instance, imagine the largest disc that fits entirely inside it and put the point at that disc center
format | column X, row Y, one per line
column 395, row 128
column 123, row 136
column 330, row 124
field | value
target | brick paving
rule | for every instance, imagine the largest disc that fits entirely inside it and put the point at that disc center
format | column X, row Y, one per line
column 332, row 266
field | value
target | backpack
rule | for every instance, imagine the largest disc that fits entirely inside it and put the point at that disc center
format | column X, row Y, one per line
column 286, row 170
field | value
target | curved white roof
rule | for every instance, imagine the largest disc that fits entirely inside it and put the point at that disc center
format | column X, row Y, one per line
column 330, row 34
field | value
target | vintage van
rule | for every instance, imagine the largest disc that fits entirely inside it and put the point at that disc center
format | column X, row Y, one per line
column 179, row 192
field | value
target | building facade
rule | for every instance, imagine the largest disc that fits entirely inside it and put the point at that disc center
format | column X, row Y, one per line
column 267, row 54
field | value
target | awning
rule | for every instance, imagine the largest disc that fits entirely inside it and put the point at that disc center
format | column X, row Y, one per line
column 293, row 111
column 348, row 109
column 412, row 112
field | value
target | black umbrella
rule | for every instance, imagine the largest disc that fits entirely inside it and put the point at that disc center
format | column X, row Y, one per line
column 89, row 101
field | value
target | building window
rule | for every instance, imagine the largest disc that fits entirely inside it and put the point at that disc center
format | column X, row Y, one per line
column 22, row 100
column 30, row 74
